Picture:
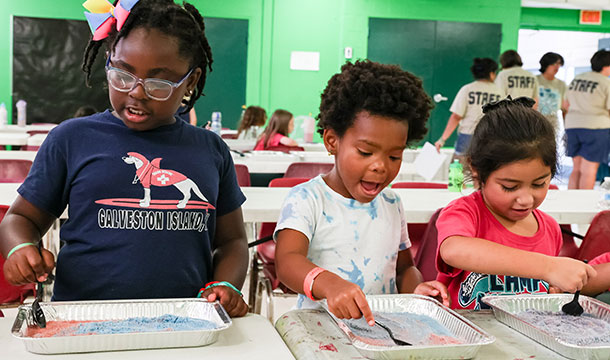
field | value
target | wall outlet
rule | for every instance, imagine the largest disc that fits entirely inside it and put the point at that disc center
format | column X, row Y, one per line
column 348, row 52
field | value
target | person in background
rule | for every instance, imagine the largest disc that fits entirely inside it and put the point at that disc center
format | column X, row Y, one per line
column 136, row 237
column 587, row 122
column 466, row 107
column 276, row 133
column 496, row 241
column 551, row 90
column 343, row 234
column 513, row 80
column 251, row 124
column 84, row 110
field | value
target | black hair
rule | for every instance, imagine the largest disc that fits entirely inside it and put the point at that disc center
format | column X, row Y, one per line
column 184, row 23
column 379, row 89
column 482, row 67
column 510, row 58
column 84, row 110
column 549, row 58
column 600, row 59
column 509, row 131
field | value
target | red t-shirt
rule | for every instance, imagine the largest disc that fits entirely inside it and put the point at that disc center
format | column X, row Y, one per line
column 601, row 259
column 468, row 216
column 274, row 141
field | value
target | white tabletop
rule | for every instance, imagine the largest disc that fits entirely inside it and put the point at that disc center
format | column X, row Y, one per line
column 18, row 154
column 31, row 127
column 312, row 334
column 251, row 337
column 13, row 138
column 36, row 139
column 565, row 206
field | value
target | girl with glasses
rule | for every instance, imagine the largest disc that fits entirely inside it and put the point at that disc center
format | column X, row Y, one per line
column 146, row 218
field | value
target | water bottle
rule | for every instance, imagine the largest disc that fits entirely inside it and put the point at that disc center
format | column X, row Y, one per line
column 216, row 122
column 456, row 176
column 3, row 115
column 21, row 113
column 604, row 201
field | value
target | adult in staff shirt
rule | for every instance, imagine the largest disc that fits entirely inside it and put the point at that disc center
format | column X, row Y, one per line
column 587, row 122
column 515, row 81
column 552, row 91
column 466, row 109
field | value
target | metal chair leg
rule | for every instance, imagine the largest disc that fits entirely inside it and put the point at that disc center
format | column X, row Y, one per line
column 254, row 276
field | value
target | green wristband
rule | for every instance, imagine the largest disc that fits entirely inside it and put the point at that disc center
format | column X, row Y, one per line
column 17, row 248
column 219, row 283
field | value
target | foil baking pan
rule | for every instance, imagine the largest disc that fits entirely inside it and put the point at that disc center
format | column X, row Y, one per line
column 507, row 307
column 120, row 310
column 471, row 337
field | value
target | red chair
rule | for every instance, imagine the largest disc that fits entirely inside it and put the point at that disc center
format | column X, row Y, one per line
column 597, row 238
column 418, row 185
column 14, row 170
column 307, row 169
column 416, row 231
column 284, row 148
column 34, row 132
column 30, row 147
column 228, row 136
column 243, row 175
column 425, row 259
column 262, row 273
column 8, row 293
column 568, row 247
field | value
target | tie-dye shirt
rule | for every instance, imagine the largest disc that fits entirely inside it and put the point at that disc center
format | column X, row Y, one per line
column 357, row 241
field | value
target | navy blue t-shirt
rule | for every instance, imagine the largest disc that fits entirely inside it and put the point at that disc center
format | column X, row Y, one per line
column 142, row 206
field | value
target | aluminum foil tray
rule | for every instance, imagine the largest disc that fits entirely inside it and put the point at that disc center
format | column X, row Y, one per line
column 472, row 336
column 506, row 308
column 118, row 310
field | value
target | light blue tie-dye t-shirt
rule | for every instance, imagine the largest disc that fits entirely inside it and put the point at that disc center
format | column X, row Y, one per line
column 357, row 241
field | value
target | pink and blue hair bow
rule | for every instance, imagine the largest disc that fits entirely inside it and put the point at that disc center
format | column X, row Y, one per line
column 103, row 16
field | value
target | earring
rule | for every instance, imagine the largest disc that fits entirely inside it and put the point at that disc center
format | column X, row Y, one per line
column 187, row 95
column 330, row 153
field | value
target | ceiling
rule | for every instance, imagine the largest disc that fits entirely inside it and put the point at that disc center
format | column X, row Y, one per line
column 568, row 4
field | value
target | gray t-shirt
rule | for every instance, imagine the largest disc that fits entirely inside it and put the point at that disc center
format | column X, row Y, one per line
column 517, row 82
column 589, row 99
column 469, row 101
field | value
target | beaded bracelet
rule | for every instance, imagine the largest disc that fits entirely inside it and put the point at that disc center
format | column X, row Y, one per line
column 308, row 281
column 17, row 247
column 212, row 284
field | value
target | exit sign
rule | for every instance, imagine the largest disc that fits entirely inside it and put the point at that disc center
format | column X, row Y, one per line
column 591, row 17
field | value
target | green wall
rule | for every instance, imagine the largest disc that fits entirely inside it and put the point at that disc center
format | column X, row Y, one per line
column 559, row 19
column 277, row 27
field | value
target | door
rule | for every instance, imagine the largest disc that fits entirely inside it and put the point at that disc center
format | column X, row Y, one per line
column 439, row 52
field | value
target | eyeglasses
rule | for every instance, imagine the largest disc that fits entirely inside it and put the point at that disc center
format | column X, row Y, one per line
column 156, row 89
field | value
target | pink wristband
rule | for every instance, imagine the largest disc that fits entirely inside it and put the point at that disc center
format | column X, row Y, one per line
column 308, row 282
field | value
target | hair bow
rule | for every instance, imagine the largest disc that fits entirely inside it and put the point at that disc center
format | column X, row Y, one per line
column 509, row 101
column 103, row 16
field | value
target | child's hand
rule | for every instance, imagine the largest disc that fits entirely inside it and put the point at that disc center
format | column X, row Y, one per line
column 346, row 300
column 435, row 289
column 555, row 290
column 25, row 266
column 569, row 274
column 233, row 303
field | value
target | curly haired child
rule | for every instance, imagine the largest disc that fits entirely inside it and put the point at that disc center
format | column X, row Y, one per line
column 343, row 235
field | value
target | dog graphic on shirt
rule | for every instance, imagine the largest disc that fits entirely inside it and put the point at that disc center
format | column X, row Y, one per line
column 150, row 173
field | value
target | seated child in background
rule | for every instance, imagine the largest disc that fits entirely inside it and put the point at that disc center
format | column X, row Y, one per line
column 346, row 229
column 276, row 133
column 495, row 241
column 252, row 123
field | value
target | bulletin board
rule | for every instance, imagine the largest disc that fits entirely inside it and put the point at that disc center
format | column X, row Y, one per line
column 47, row 58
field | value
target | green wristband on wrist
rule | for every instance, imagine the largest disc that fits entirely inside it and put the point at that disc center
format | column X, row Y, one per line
column 17, row 248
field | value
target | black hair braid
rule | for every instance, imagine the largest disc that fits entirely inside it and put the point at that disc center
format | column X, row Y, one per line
column 184, row 23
